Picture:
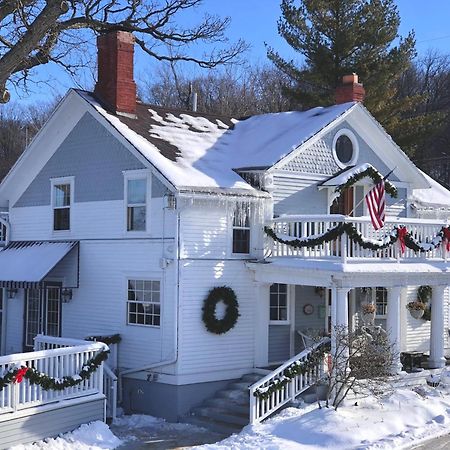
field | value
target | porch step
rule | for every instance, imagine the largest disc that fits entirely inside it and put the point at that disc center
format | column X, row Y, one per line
column 228, row 410
column 231, row 406
column 222, row 428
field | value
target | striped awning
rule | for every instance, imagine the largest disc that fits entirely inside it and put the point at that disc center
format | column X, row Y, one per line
column 26, row 264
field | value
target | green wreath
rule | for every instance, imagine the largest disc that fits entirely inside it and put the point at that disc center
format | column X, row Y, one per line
column 212, row 323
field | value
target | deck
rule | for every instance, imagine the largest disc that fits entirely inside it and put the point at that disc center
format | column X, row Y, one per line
column 37, row 405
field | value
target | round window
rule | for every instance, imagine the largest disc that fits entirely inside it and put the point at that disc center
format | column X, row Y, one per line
column 345, row 148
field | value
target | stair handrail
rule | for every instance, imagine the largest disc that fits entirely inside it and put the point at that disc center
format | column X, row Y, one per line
column 262, row 408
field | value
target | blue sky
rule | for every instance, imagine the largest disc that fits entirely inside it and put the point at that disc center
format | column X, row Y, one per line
column 256, row 22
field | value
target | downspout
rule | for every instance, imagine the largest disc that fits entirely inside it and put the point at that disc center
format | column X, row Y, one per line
column 177, row 302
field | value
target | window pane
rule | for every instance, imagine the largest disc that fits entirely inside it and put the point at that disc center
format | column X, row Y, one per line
column 241, row 241
column 61, row 194
column 137, row 190
column 273, row 314
column 61, row 219
column 136, row 218
column 143, row 302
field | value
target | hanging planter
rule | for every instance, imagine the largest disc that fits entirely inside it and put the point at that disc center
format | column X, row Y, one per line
column 368, row 313
column 416, row 309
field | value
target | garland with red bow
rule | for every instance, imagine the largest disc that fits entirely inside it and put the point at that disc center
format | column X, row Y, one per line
column 18, row 374
column 399, row 234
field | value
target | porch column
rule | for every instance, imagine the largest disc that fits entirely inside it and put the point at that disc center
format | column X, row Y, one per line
column 437, row 358
column 262, row 324
column 339, row 308
column 393, row 325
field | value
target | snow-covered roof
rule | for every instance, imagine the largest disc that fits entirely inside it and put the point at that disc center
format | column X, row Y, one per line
column 204, row 152
column 28, row 263
column 436, row 196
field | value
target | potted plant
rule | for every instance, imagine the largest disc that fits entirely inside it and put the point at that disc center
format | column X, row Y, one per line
column 416, row 309
column 368, row 313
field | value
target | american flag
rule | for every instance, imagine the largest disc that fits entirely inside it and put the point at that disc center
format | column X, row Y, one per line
column 375, row 201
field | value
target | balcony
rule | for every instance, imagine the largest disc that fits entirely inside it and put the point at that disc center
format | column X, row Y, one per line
column 346, row 239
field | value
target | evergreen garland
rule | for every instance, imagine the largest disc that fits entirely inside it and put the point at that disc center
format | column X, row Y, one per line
column 16, row 375
column 293, row 370
column 355, row 236
column 212, row 323
column 376, row 177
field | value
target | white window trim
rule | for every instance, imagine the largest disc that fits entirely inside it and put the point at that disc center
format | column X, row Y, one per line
column 161, row 302
column 138, row 174
column 55, row 182
column 354, row 141
column 230, row 234
column 288, row 308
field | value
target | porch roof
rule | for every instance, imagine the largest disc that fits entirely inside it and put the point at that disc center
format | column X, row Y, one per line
column 26, row 264
column 356, row 273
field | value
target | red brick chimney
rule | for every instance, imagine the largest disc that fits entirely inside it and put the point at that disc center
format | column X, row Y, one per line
column 115, row 85
column 350, row 90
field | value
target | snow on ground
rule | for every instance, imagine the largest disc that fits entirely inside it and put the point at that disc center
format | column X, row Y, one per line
column 93, row 436
column 397, row 421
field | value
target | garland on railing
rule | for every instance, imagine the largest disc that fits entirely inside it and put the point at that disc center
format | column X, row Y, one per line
column 296, row 368
column 108, row 340
column 399, row 233
column 17, row 374
column 372, row 173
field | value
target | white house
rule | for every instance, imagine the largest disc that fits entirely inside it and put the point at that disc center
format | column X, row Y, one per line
column 122, row 218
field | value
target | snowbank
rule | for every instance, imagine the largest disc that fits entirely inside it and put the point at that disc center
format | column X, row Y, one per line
column 396, row 421
column 92, row 436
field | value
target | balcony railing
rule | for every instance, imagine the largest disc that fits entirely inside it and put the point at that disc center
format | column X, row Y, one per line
column 344, row 247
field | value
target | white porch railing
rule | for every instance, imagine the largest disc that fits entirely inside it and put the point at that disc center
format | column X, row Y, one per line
column 42, row 342
column 342, row 248
column 260, row 408
column 57, row 363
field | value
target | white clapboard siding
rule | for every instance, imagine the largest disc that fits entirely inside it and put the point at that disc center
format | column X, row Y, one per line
column 418, row 330
column 297, row 195
column 99, row 305
column 200, row 350
column 102, row 219
column 204, row 232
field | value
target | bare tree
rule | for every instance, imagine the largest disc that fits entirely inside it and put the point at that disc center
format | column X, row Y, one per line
column 234, row 91
column 360, row 362
column 18, row 126
column 35, row 32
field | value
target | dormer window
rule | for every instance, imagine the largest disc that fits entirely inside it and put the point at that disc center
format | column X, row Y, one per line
column 345, row 148
column 62, row 197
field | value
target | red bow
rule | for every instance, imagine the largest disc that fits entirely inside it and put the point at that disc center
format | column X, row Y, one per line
column 447, row 238
column 401, row 234
column 20, row 374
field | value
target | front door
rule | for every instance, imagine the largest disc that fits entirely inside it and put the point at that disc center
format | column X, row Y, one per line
column 42, row 313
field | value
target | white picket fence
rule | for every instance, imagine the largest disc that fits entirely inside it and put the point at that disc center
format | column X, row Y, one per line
column 260, row 408
column 56, row 363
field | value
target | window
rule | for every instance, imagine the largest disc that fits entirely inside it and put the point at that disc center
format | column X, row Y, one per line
column 62, row 194
column 144, row 302
column 279, row 303
column 381, row 301
column 136, row 204
column 241, row 230
column 345, row 148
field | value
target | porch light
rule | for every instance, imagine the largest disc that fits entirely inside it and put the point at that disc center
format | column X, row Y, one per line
column 11, row 292
column 66, row 295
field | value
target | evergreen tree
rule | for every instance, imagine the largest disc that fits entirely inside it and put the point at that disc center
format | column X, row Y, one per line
column 338, row 37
